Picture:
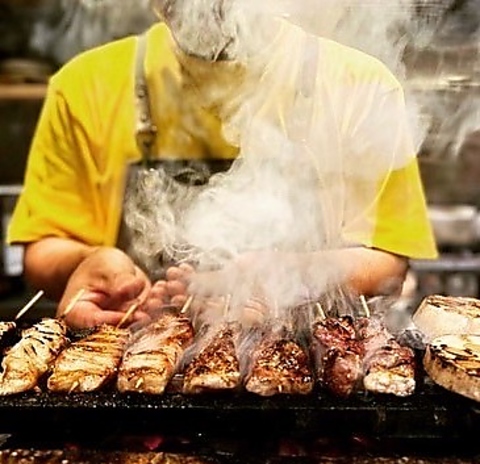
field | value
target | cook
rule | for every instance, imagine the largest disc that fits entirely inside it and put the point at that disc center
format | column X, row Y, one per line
column 125, row 102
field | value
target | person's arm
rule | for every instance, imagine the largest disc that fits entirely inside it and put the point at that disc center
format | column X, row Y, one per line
column 107, row 279
column 50, row 262
column 60, row 217
column 364, row 271
column 361, row 270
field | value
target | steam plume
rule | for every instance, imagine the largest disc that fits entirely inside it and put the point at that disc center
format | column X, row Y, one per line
column 312, row 153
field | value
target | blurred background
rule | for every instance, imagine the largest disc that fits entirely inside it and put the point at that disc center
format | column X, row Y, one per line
column 439, row 53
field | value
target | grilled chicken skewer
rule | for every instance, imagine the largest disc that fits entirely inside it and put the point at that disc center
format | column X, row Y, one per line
column 90, row 363
column 152, row 356
column 30, row 358
column 279, row 366
column 216, row 366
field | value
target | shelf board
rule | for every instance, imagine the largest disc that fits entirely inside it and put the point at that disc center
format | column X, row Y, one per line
column 22, row 91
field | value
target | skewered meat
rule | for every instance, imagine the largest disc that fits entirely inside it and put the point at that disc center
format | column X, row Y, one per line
column 453, row 361
column 279, row 365
column 388, row 366
column 337, row 354
column 88, row 364
column 151, row 359
column 446, row 315
column 31, row 357
column 216, row 366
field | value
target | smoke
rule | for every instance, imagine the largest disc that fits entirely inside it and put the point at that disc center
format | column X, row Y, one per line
column 60, row 29
column 318, row 132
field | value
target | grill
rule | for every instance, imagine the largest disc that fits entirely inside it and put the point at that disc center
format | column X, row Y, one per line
column 431, row 417
column 232, row 425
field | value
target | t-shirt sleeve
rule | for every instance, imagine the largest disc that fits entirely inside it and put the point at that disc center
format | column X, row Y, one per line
column 402, row 223
column 397, row 218
column 59, row 197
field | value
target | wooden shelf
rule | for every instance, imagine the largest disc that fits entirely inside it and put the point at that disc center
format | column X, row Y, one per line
column 22, row 91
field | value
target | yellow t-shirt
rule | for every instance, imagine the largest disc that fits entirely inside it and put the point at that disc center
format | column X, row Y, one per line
column 85, row 140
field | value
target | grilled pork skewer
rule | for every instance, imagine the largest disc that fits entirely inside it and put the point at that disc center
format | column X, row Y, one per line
column 337, row 355
column 388, row 366
column 216, row 366
column 88, row 364
column 31, row 357
column 151, row 359
column 279, row 366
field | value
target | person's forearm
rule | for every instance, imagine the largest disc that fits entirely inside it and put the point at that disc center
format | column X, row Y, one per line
column 365, row 271
column 50, row 262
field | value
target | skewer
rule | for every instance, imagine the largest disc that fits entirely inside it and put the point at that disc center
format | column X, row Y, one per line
column 365, row 306
column 228, row 299
column 139, row 383
column 128, row 313
column 320, row 310
column 72, row 303
column 187, row 304
column 74, row 386
column 29, row 304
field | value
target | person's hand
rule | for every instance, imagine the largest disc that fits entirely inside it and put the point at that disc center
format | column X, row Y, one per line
column 251, row 282
column 109, row 283
column 177, row 282
column 260, row 274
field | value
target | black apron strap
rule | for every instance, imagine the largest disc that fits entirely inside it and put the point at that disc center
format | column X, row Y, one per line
column 145, row 130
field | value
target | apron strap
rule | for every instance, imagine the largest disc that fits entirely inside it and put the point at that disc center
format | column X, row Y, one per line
column 145, row 130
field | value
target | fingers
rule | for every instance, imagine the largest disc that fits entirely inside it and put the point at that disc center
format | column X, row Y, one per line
column 179, row 300
column 127, row 287
column 156, row 298
column 87, row 315
column 178, row 278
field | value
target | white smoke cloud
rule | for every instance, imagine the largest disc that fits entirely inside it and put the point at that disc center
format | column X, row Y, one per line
column 312, row 149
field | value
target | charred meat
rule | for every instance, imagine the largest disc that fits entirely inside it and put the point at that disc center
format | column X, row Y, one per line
column 216, row 366
column 388, row 366
column 151, row 359
column 279, row 366
column 88, row 364
column 337, row 354
column 29, row 359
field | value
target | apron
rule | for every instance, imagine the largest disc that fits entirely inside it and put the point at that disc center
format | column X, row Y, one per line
column 157, row 191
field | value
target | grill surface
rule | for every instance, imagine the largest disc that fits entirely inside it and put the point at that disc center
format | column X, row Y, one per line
column 430, row 412
column 432, row 417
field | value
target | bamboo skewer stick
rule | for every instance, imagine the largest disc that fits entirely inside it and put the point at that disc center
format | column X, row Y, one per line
column 226, row 307
column 128, row 313
column 365, row 306
column 187, row 305
column 37, row 296
column 321, row 312
column 72, row 303
column 74, row 386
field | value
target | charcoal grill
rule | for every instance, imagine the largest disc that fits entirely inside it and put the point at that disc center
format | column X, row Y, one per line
column 430, row 419
column 431, row 413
